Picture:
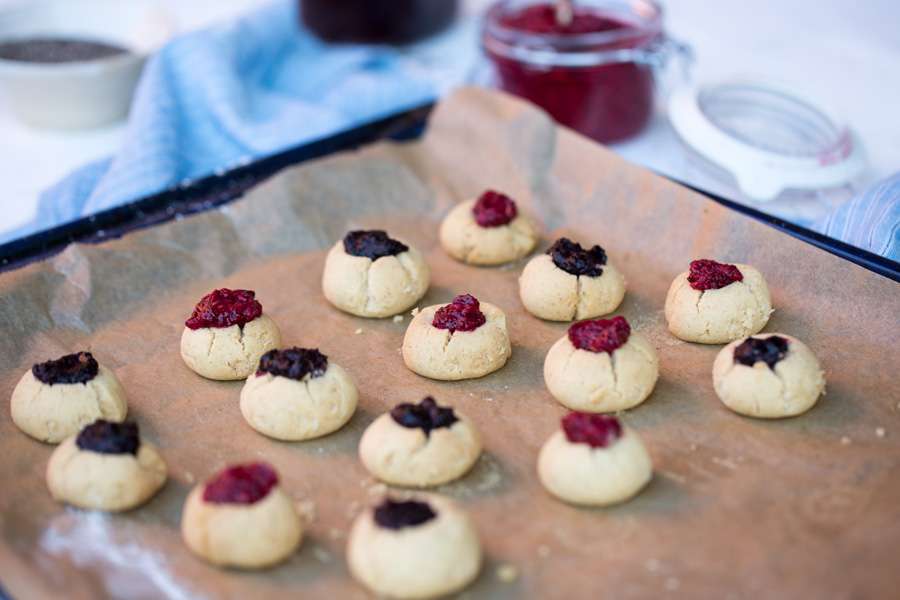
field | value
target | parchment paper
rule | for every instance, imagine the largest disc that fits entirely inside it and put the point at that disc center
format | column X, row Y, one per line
column 739, row 508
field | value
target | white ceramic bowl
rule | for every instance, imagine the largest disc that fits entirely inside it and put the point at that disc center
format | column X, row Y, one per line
column 77, row 95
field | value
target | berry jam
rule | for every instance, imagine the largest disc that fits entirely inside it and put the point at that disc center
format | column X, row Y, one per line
column 708, row 274
column 597, row 431
column 372, row 244
column 293, row 363
column 393, row 514
column 224, row 308
column 241, row 484
column 607, row 94
column 463, row 314
column 80, row 367
column 600, row 335
column 426, row 415
column 494, row 209
column 109, row 438
column 769, row 350
column 572, row 258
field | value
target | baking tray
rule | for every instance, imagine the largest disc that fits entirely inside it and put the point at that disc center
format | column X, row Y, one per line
column 206, row 193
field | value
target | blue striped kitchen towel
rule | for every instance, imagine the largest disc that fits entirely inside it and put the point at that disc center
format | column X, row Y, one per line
column 216, row 98
column 871, row 220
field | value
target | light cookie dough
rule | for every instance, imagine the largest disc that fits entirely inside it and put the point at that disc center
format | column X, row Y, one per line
column 594, row 460
column 423, row 547
column 368, row 274
column 420, row 445
column 472, row 342
column 55, row 399
column 619, row 372
column 718, row 315
column 242, row 518
column 587, row 287
column 105, row 467
column 227, row 334
column 488, row 231
column 768, row 376
column 298, row 394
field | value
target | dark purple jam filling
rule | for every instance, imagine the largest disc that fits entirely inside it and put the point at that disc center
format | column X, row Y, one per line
column 572, row 258
column 372, row 244
column 597, row 431
column 80, row 367
column 426, row 415
column 109, row 438
column 392, row 514
column 708, row 274
column 600, row 335
column 224, row 308
column 463, row 314
column 293, row 363
column 241, row 484
column 769, row 350
column 494, row 209
column 48, row 50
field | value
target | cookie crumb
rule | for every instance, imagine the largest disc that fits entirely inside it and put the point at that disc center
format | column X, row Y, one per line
column 398, row 318
column 693, row 447
column 358, row 331
column 880, row 432
column 543, row 551
column 672, row 584
column 307, row 510
column 652, row 565
column 724, row 462
column 507, row 573
column 322, row 555
column 845, row 441
column 414, row 311
column 189, row 477
column 489, row 399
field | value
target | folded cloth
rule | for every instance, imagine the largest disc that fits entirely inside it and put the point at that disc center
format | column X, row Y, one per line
column 871, row 220
column 216, row 98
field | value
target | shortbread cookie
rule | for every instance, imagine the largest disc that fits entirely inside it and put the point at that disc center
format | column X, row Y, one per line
column 242, row 518
column 570, row 282
column 369, row 274
column 768, row 376
column 488, row 231
column 227, row 334
column 420, row 445
column 594, row 460
column 422, row 547
column 298, row 394
column 105, row 467
column 55, row 399
column 461, row 340
column 601, row 366
column 716, row 303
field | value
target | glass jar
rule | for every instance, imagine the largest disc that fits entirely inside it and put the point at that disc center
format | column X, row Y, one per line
column 595, row 74
column 377, row 21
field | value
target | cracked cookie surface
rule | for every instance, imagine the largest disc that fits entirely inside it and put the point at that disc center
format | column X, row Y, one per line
column 229, row 353
column 465, row 240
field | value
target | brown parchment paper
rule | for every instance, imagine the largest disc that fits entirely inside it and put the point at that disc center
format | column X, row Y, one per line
column 739, row 508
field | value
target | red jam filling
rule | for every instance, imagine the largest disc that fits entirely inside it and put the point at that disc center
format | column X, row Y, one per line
column 224, row 308
column 241, row 484
column 609, row 101
column 463, row 314
column 708, row 274
column 600, row 335
column 597, row 431
column 494, row 209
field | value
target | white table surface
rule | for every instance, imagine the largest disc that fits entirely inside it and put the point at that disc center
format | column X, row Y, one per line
column 848, row 52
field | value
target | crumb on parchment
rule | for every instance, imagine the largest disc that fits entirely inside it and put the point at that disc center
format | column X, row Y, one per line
column 507, row 573
column 880, row 432
column 845, row 441
column 358, row 331
column 398, row 318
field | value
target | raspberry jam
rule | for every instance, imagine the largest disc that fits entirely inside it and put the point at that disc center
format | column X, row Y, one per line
column 80, row 367
column 575, row 260
column 426, row 415
column 769, row 350
column 463, row 314
column 394, row 514
column 600, row 335
column 593, row 74
column 597, row 431
column 494, row 209
column 241, row 484
column 293, row 363
column 372, row 244
column 708, row 274
column 109, row 438
column 224, row 308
